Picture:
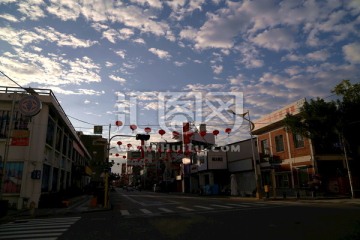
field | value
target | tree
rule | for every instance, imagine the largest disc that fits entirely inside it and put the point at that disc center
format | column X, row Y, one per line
column 316, row 121
column 324, row 122
column 349, row 121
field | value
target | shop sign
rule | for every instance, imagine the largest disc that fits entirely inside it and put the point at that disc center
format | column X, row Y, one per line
column 20, row 138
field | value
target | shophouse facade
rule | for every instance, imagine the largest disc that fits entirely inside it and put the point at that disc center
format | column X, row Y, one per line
column 42, row 152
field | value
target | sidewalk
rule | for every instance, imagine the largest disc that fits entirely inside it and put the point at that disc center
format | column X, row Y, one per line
column 78, row 204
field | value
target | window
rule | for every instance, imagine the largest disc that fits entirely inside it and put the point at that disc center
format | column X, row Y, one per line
column 50, row 132
column 13, row 176
column 58, row 141
column 279, row 143
column 298, row 140
column 265, row 146
column 20, row 122
column 217, row 159
column 45, row 178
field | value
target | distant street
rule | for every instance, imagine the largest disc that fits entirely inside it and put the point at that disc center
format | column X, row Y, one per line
column 148, row 215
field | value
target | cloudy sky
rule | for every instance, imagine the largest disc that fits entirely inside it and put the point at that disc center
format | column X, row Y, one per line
column 106, row 60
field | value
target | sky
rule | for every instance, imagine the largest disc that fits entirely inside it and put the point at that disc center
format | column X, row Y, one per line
column 159, row 63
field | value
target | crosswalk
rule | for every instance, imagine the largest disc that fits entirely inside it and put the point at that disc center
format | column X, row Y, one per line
column 39, row 229
column 193, row 208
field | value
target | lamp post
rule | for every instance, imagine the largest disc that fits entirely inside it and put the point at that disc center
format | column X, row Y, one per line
column 251, row 127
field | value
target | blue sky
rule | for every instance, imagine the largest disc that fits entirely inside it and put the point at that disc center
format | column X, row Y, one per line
column 90, row 52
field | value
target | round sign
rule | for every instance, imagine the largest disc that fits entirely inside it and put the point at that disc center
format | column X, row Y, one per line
column 30, row 105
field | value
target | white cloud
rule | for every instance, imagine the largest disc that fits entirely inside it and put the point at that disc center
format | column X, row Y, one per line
column 121, row 53
column 249, row 56
column 126, row 33
column 352, row 53
column 179, row 64
column 65, row 9
column 118, row 79
column 9, row 17
column 109, row 64
column 217, row 69
column 139, row 40
column 32, row 9
column 203, row 87
column 87, row 101
column 160, row 53
column 111, row 35
column 320, row 55
column 62, row 39
column 276, row 39
column 238, row 80
column 151, row 3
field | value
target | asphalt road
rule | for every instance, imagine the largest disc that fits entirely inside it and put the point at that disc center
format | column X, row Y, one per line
column 147, row 215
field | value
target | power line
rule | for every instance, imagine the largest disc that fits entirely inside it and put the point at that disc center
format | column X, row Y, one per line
column 11, row 79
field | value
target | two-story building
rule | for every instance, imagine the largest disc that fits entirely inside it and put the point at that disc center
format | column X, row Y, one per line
column 292, row 163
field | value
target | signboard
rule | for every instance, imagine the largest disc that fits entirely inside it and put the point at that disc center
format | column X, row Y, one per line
column 20, row 138
column 98, row 129
column 29, row 105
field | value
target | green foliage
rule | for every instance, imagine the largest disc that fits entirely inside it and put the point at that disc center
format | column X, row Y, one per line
column 324, row 122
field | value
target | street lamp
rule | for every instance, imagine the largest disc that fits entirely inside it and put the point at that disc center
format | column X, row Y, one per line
column 251, row 127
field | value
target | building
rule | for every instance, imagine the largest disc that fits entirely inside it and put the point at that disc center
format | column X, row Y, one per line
column 43, row 156
column 240, row 157
column 293, row 164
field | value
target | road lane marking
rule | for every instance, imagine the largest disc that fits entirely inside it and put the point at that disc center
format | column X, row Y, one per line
column 207, row 208
column 124, row 212
column 186, row 209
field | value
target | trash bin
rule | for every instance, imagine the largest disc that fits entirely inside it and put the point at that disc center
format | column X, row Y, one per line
column 4, row 204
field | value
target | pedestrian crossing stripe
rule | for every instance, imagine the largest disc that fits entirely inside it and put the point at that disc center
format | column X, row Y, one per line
column 206, row 208
column 145, row 211
column 220, row 206
column 124, row 212
column 166, row 210
column 186, row 209
column 49, row 228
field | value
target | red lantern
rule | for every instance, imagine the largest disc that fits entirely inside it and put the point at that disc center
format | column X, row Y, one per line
column 162, row 132
column 228, row 130
column 216, row 132
column 147, row 130
column 133, row 127
column 129, row 145
column 138, row 147
column 179, row 151
column 118, row 123
column 202, row 133
column 124, row 157
column 159, row 150
column 119, row 143
column 117, row 155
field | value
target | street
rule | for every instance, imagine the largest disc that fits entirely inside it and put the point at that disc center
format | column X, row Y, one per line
column 149, row 215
